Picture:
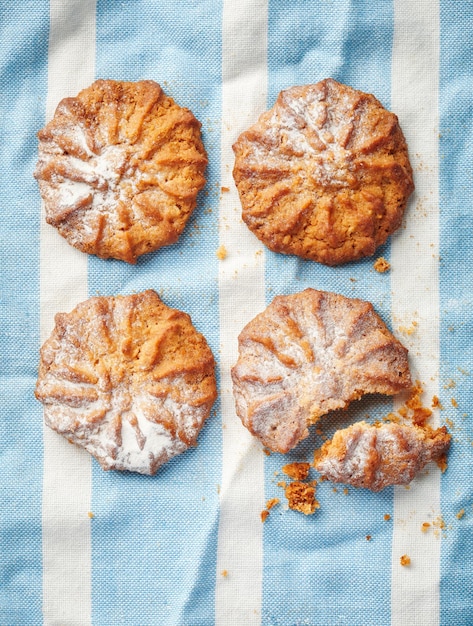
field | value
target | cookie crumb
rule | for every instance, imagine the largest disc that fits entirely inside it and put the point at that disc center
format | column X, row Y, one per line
column 381, row 265
column 298, row 471
column 271, row 503
column 224, row 573
column 301, row 497
column 408, row 330
column 454, row 403
column 436, row 404
column 368, row 537
column 405, row 560
column 221, row 253
column 460, row 513
column 420, row 413
column 425, row 527
column 90, row 514
column 442, row 463
column 387, row 517
column 225, row 189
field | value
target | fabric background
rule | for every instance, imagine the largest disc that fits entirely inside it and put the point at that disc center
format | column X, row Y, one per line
column 187, row 547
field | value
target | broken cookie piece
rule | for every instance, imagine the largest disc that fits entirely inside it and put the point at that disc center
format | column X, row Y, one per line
column 380, row 455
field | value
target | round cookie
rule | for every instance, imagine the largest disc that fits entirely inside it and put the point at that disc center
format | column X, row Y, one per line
column 308, row 354
column 376, row 456
column 324, row 174
column 128, row 379
column 119, row 169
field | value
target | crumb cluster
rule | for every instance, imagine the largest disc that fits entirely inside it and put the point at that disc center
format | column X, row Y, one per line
column 301, row 497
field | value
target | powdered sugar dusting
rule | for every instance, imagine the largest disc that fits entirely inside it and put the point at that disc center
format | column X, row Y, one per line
column 71, row 192
column 104, row 176
column 312, row 125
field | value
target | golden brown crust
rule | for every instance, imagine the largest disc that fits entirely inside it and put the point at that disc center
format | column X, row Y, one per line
column 324, row 174
column 377, row 456
column 308, row 354
column 127, row 378
column 119, row 169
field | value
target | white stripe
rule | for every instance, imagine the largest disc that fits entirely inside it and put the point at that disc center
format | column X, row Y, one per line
column 415, row 289
column 63, row 283
column 241, row 291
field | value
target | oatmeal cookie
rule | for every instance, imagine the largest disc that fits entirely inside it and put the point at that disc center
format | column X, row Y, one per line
column 377, row 456
column 308, row 354
column 119, row 169
column 324, row 174
column 127, row 378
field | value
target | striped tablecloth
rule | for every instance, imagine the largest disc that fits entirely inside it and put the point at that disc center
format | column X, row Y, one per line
column 187, row 547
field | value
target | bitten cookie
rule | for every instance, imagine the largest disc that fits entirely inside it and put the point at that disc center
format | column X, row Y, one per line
column 128, row 379
column 324, row 174
column 377, row 456
column 119, row 169
column 307, row 354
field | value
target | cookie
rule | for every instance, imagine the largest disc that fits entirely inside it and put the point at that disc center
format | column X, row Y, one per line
column 127, row 378
column 119, row 169
column 377, row 456
column 324, row 174
column 308, row 354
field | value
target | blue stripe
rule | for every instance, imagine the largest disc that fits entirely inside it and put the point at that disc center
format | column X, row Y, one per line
column 456, row 305
column 321, row 569
column 154, row 539
column 24, row 86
